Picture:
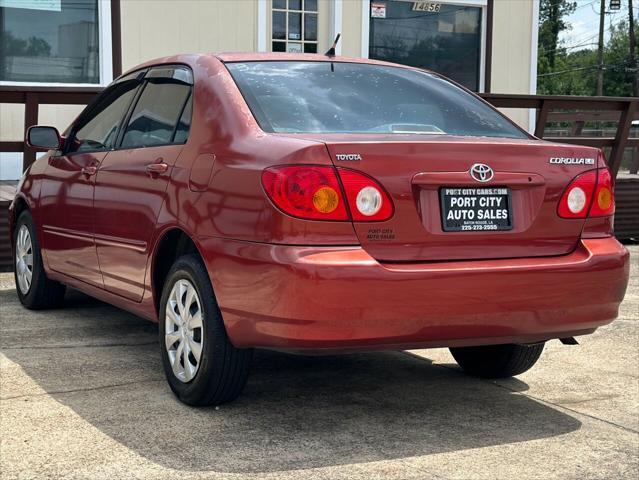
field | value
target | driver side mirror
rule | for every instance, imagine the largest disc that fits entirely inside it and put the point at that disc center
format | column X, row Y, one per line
column 44, row 137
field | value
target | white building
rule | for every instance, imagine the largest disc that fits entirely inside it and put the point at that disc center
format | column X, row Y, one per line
column 487, row 45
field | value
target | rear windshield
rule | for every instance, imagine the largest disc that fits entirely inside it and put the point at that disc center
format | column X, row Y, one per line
column 334, row 97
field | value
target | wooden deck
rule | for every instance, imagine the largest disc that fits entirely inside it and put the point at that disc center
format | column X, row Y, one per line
column 627, row 211
column 7, row 190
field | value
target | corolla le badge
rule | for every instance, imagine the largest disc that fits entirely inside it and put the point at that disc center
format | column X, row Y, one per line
column 571, row 161
column 481, row 172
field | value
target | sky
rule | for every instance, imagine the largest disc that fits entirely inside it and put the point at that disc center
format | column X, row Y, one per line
column 585, row 22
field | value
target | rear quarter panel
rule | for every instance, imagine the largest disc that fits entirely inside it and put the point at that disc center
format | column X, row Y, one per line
column 233, row 204
column 29, row 192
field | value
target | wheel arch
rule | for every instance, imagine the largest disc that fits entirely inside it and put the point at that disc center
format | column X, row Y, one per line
column 18, row 206
column 172, row 244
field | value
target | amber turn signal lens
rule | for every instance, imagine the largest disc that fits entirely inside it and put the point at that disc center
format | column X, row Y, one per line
column 604, row 198
column 325, row 199
column 604, row 201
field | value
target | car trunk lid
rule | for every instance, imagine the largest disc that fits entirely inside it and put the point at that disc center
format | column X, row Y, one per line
column 416, row 172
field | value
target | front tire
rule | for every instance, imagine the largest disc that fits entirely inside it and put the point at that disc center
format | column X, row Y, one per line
column 35, row 290
column 200, row 363
column 497, row 361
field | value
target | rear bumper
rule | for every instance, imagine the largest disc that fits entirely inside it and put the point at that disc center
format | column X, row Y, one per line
column 317, row 298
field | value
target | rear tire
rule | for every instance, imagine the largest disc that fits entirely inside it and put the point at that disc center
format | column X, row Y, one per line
column 497, row 361
column 35, row 290
column 200, row 363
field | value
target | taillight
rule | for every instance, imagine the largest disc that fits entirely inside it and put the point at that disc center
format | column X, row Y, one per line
column 577, row 197
column 367, row 199
column 313, row 192
column 589, row 194
column 309, row 192
column 603, row 204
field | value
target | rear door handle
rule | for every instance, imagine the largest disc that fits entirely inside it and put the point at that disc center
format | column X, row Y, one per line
column 89, row 170
column 157, row 168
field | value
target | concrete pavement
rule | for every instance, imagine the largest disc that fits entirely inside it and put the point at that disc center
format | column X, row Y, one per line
column 82, row 395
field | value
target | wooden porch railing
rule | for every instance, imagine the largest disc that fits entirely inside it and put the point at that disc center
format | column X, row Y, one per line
column 578, row 111
column 550, row 108
column 32, row 98
column 565, row 109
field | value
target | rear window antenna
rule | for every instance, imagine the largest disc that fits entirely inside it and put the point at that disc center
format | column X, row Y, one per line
column 331, row 51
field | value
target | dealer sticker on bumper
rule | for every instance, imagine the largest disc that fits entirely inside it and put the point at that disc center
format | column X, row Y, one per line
column 475, row 209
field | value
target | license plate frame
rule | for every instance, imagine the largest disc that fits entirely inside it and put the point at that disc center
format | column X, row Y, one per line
column 492, row 208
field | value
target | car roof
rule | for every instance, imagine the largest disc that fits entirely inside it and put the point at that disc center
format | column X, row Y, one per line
column 229, row 57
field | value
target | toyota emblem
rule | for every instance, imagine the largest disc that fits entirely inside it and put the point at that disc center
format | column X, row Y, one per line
column 481, row 172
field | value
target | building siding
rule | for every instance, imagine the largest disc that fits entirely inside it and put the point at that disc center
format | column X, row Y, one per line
column 352, row 25
column 512, row 36
column 12, row 118
column 156, row 29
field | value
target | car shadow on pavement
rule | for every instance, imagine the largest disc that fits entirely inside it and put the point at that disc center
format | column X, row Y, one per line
column 296, row 412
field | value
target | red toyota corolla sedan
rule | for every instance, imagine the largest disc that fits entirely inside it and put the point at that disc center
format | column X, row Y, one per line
column 318, row 204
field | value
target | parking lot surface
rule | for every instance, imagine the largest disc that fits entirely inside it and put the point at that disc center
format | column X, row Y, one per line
column 82, row 395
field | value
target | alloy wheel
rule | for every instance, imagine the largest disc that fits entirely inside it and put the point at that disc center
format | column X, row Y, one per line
column 24, row 259
column 184, row 333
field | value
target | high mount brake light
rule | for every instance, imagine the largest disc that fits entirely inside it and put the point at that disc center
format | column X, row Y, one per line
column 313, row 192
column 590, row 194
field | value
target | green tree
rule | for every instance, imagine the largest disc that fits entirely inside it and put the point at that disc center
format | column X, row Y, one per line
column 618, row 73
column 551, row 24
column 32, row 47
column 38, row 47
column 575, row 72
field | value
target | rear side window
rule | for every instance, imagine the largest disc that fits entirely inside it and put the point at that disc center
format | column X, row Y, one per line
column 158, row 115
column 334, row 97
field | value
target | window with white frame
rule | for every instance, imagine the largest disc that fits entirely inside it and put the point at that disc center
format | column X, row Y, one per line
column 55, row 42
column 294, row 27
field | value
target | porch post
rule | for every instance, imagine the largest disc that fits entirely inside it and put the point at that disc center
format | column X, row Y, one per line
column 489, row 46
column 30, row 118
column 116, row 38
